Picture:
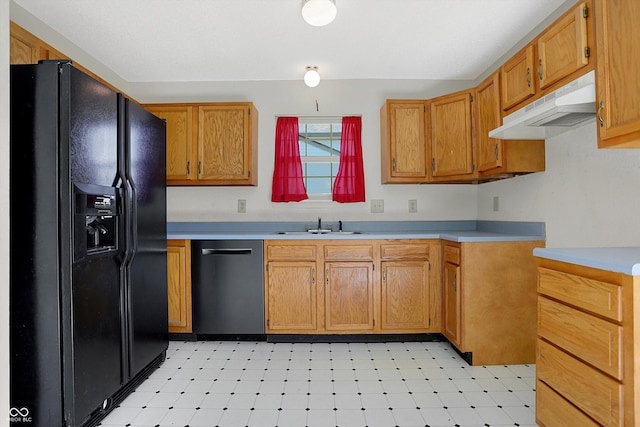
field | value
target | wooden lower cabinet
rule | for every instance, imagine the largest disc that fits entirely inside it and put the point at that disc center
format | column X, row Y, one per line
column 348, row 296
column 489, row 302
column 179, row 285
column 452, row 302
column 364, row 286
column 588, row 346
column 405, row 295
column 291, row 296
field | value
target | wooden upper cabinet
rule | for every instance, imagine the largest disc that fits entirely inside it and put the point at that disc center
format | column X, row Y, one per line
column 517, row 75
column 25, row 48
column 180, row 137
column 225, row 152
column 496, row 157
column 402, row 128
column 487, row 118
column 210, row 144
column 563, row 47
column 450, row 136
column 618, row 66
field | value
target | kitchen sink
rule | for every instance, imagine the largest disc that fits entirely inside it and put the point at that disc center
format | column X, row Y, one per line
column 333, row 233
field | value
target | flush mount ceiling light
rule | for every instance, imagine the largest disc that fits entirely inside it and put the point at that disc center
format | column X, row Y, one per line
column 312, row 77
column 319, row 12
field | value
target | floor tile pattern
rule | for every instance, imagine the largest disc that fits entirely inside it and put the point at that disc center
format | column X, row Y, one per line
column 259, row 384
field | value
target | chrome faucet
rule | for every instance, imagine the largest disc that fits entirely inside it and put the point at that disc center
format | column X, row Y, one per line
column 319, row 223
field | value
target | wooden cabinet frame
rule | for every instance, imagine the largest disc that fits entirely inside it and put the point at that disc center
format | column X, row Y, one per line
column 350, row 297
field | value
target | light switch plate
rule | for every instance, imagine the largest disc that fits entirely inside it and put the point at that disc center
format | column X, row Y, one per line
column 413, row 206
column 242, row 206
column 377, row 206
column 496, row 203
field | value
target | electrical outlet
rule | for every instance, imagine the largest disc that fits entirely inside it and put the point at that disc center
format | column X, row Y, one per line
column 377, row 206
column 496, row 203
column 413, row 206
column 242, row 206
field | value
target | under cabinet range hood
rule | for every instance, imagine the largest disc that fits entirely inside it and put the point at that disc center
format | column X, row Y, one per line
column 552, row 114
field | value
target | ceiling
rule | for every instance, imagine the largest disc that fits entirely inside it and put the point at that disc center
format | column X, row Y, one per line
column 233, row 40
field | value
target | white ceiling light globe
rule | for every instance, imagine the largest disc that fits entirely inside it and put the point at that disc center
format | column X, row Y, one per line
column 319, row 12
column 312, row 77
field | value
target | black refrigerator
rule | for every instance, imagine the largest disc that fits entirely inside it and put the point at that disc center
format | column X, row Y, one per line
column 88, row 291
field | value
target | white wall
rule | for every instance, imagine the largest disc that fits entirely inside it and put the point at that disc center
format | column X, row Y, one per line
column 586, row 196
column 4, row 212
column 335, row 97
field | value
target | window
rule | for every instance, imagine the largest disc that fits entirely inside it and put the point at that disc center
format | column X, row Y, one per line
column 320, row 154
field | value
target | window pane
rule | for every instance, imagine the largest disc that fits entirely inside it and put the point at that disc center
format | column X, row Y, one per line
column 318, row 185
column 319, row 169
column 320, row 140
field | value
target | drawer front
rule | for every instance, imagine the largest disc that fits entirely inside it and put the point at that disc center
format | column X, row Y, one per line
column 452, row 254
column 291, row 252
column 594, row 340
column 404, row 251
column 596, row 394
column 348, row 253
column 552, row 410
column 591, row 295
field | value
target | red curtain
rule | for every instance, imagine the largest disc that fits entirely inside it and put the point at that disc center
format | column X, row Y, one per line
column 349, row 184
column 288, row 184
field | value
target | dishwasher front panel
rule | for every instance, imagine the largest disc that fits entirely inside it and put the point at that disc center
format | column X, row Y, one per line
column 228, row 287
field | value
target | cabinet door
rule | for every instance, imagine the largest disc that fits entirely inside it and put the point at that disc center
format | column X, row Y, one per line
column 179, row 285
column 452, row 303
column 404, row 154
column 224, row 138
column 349, row 296
column 450, row 136
column 487, row 107
column 562, row 47
column 617, row 82
column 517, row 78
column 179, row 118
column 25, row 48
column 405, row 295
column 291, row 296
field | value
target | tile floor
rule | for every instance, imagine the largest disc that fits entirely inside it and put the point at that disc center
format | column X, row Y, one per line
column 228, row 384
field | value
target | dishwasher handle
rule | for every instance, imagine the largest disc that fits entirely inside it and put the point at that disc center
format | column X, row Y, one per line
column 231, row 251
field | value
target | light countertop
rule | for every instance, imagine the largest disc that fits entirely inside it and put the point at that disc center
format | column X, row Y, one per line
column 456, row 231
column 624, row 260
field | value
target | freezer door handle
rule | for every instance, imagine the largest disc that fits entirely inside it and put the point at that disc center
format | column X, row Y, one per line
column 239, row 251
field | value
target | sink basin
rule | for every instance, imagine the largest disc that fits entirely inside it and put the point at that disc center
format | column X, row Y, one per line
column 333, row 233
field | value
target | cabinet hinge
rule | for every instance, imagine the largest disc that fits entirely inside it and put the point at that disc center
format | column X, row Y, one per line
column 433, row 164
column 473, row 167
column 585, row 12
column 587, row 52
column 429, row 322
column 471, row 98
column 249, row 174
column 424, row 108
column 249, row 111
column 188, row 168
column 267, row 323
column 374, row 322
column 429, row 266
column 267, row 267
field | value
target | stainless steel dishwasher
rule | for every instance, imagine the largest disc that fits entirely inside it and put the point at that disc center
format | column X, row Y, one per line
column 228, row 287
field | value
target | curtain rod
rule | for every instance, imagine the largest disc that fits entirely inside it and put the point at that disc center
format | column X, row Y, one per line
column 317, row 118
